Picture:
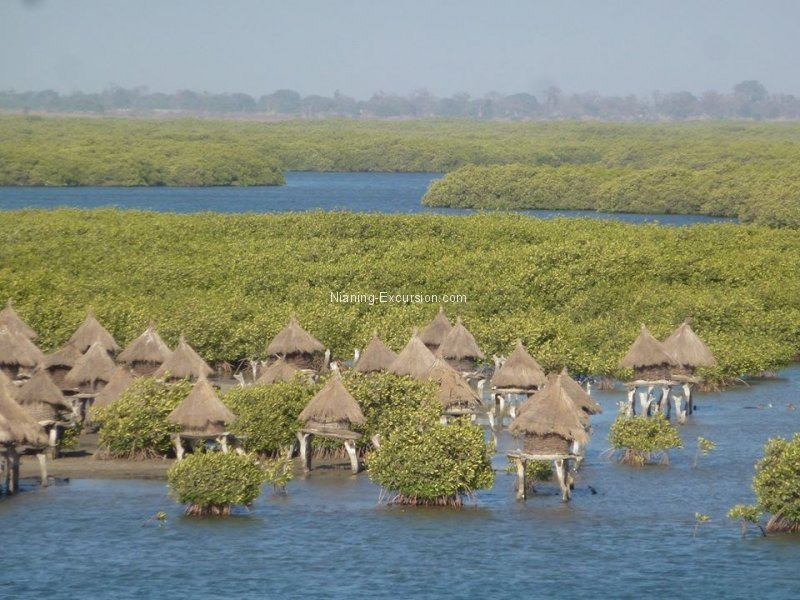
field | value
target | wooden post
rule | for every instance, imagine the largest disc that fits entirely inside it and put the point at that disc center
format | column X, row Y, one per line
column 687, row 391
column 223, row 443
column 680, row 412
column 43, row 467
column 631, row 408
column 644, row 402
column 13, row 470
column 179, row 449
column 6, row 468
column 664, row 400
column 490, row 414
column 52, row 441
column 350, row 446
column 305, row 449
column 562, row 474
column 376, row 441
column 522, row 485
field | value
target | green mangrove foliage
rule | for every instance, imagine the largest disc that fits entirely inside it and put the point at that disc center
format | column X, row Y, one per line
column 575, row 290
column 777, row 484
column 432, row 464
column 642, row 439
column 747, row 515
column 210, row 483
column 762, row 191
column 135, row 425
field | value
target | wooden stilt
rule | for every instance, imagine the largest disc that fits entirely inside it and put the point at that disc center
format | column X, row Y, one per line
column 305, row 449
column 644, row 402
column 13, row 469
column 43, row 467
column 664, row 401
column 179, row 449
column 562, row 474
column 687, row 391
column 223, row 443
column 631, row 407
column 376, row 441
column 490, row 414
column 350, row 446
column 522, row 485
column 680, row 412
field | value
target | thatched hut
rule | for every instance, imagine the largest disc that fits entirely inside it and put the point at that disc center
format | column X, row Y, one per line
column 460, row 349
column 201, row 415
column 19, row 430
column 296, row 345
column 120, row 380
column 688, row 351
column 520, row 373
column 146, row 353
column 59, row 363
column 332, row 412
column 278, row 371
column 377, row 356
column 415, row 360
column 435, row 332
column 582, row 399
column 12, row 321
column 455, row 394
column 91, row 332
column 92, row 371
column 183, row 363
column 43, row 400
column 648, row 358
column 17, row 353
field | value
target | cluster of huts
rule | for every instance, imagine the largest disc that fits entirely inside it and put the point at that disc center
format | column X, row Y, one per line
column 41, row 394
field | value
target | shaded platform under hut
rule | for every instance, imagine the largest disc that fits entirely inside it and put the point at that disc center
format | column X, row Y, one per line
column 331, row 413
column 13, row 322
column 689, row 353
column 91, row 373
column 18, row 355
column 377, row 356
column 202, row 416
column 455, row 394
column 460, row 349
column 47, row 405
column 183, row 363
column 279, row 371
column 19, row 434
column 550, row 425
column 435, row 332
column 146, row 353
column 415, row 359
column 92, row 332
column 59, row 363
column 298, row 347
column 121, row 379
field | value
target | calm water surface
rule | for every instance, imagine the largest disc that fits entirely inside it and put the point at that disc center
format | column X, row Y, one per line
column 357, row 192
column 330, row 539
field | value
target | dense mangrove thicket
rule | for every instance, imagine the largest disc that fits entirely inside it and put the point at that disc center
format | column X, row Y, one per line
column 574, row 290
column 720, row 168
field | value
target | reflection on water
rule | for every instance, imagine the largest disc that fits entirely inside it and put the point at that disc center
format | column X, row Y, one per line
column 356, row 192
column 330, row 539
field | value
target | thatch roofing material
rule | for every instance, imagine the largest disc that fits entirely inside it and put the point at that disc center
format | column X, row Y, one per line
column 40, row 389
column 90, row 332
column 293, row 339
column 120, row 380
column 278, row 371
column 17, row 350
column 460, row 343
column 453, row 389
column 520, row 371
column 436, row 331
column 415, row 360
column 582, row 399
column 552, row 412
column 17, row 426
column 10, row 318
column 65, row 357
column 184, row 363
column 7, row 385
column 333, row 405
column 377, row 356
column 646, row 351
column 147, row 348
column 202, row 411
column 687, row 349
column 93, row 366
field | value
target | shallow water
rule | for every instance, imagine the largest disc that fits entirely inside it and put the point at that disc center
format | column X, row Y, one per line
column 356, row 192
column 331, row 539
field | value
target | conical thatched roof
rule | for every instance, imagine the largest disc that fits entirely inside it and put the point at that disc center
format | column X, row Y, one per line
column 436, row 331
column 17, row 426
column 520, row 371
column 184, row 363
column 552, row 412
column 688, row 349
column 278, row 371
column 646, row 351
column 40, row 389
column 202, row 411
column 90, row 332
column 453, row 390
column 147, row 348
column 333, row 405
column 579, row 396
column 293, row 339
column 415, row 360
column 460, row 343
column 120, row 380
column 377, row 356
column 10, row 318
column 17, row 350
column 95, row 365
column 65, row 357
column 7, row 385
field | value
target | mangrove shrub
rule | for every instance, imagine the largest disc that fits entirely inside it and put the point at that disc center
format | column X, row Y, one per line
column 641, row 438
column 777, row 483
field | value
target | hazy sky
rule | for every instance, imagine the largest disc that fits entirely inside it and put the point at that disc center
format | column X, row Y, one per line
column 360, row 47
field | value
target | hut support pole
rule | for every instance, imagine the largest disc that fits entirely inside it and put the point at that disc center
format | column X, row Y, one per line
column 350, row 446
column 13, row 470
column 6, row 469
column 687, row 391
column 664, row 401
column 223, row 443
column 52, row 442
column 630, row 410
column 522, row 485
column 43, row 467
column 562, row 474
column 680, row 412
column 305, row 449
column 179, row 449
column 376, row 441
column 644, row 402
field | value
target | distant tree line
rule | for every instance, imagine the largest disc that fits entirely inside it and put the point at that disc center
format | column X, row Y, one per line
column 747, row 100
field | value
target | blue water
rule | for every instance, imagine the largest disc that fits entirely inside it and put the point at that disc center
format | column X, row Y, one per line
column 331, row 539
column 357, row 192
